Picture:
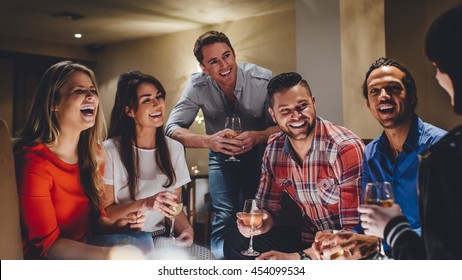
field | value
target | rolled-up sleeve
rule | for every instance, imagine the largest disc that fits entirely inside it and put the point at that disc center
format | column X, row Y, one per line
column 184, row 112
column 348, row 166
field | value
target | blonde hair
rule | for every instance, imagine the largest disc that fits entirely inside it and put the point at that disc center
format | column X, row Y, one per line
column 42, row 127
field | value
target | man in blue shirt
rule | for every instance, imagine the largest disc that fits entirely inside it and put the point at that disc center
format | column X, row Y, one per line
column 391, row 96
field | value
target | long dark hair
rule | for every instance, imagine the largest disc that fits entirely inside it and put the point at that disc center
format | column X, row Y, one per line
column 443, row 46
column 122, row 129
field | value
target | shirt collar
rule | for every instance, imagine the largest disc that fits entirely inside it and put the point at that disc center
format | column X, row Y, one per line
column 412, row 139
column 417, row 127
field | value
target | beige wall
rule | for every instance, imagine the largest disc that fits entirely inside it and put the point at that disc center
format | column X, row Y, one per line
column 362, row 41
column 268, row 41
column 405, row 42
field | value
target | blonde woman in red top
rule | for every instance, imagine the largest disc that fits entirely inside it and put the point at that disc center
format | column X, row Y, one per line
column 58, row 158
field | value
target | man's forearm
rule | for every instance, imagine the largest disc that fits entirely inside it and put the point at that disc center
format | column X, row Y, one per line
column 191, row 140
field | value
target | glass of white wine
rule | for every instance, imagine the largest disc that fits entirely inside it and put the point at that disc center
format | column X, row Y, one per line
column 233, row 123
column 252, row 216
column 177, row 209
column 380, row 194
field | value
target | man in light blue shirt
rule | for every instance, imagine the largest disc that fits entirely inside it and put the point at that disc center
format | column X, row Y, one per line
column 391, row 97
column 224, row 89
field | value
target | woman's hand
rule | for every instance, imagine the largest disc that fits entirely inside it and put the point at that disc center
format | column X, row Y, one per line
column 185, row 238
column 159, row 202
column 276, row 255
column 375, row 218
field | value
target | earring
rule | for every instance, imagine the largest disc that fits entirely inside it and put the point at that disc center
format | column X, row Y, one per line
column 54, row 109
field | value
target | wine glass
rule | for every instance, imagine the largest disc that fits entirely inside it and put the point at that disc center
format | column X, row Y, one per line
column 177, row 209
column 233, row 123
column 253, row 217
column 380, row 194
column 328, row 254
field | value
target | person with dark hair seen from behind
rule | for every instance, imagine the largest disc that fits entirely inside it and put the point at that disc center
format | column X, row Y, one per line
column 224, row 89
column 440, row 166
column 391, row 97
column 316, row 163
column 58, row 159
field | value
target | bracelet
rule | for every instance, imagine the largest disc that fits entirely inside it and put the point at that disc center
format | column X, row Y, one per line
column 303, row 256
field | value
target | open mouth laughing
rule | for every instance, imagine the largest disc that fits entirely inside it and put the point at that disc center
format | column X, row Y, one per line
column 88, row 110
column 386, row 108
column 297, row 124
column 225, row 74
column 155, row 114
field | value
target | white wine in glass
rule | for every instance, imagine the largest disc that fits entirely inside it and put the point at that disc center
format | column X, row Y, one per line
column 177, row 209
column 252, row 216
column 380, row 194
column 233, row 123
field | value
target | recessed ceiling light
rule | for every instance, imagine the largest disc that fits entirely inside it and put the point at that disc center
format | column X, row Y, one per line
column 78, row 35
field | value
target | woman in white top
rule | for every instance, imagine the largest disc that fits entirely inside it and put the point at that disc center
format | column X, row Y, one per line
column 144, row 169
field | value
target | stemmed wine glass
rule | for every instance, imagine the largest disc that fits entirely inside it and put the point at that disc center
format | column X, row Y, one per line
column 253, row 217
column 380, row 194
column 233, row 123
column 177, row 209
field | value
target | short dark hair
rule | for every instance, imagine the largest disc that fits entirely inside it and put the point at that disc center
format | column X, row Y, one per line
column 408, row 80
column 285, row 81
column 443, row 46
column 208, row 38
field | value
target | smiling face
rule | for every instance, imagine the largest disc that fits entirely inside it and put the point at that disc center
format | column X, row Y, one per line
column 387, row 97
column 220, row 63
column 294, row 112
column 151, row 107
column 78, row 103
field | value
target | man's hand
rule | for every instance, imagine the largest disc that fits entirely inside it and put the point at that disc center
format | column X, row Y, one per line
column 263, row 228
column 248, row 140
column 344, row 245
column 375, row 218
column 224, row 141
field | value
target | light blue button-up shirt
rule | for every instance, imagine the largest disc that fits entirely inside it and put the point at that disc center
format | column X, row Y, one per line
column 202, row 92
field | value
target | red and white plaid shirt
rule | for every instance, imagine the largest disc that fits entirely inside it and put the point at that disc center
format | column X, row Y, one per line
column 327, row 188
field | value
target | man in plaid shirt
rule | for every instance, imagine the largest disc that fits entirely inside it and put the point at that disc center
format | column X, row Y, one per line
column 316, row 163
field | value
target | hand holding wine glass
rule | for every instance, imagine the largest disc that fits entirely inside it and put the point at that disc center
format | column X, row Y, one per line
column 252, row 216
column 380, row 194
column 233, row 123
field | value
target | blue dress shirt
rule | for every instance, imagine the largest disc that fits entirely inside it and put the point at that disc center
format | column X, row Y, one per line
column 380, row 166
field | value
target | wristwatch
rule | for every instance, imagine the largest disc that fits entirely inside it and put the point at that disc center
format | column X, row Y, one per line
column 303, row 256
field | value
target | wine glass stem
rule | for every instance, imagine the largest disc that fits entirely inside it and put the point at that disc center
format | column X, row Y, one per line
column 251, row 240
column 381, row 250
column 172, row 234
